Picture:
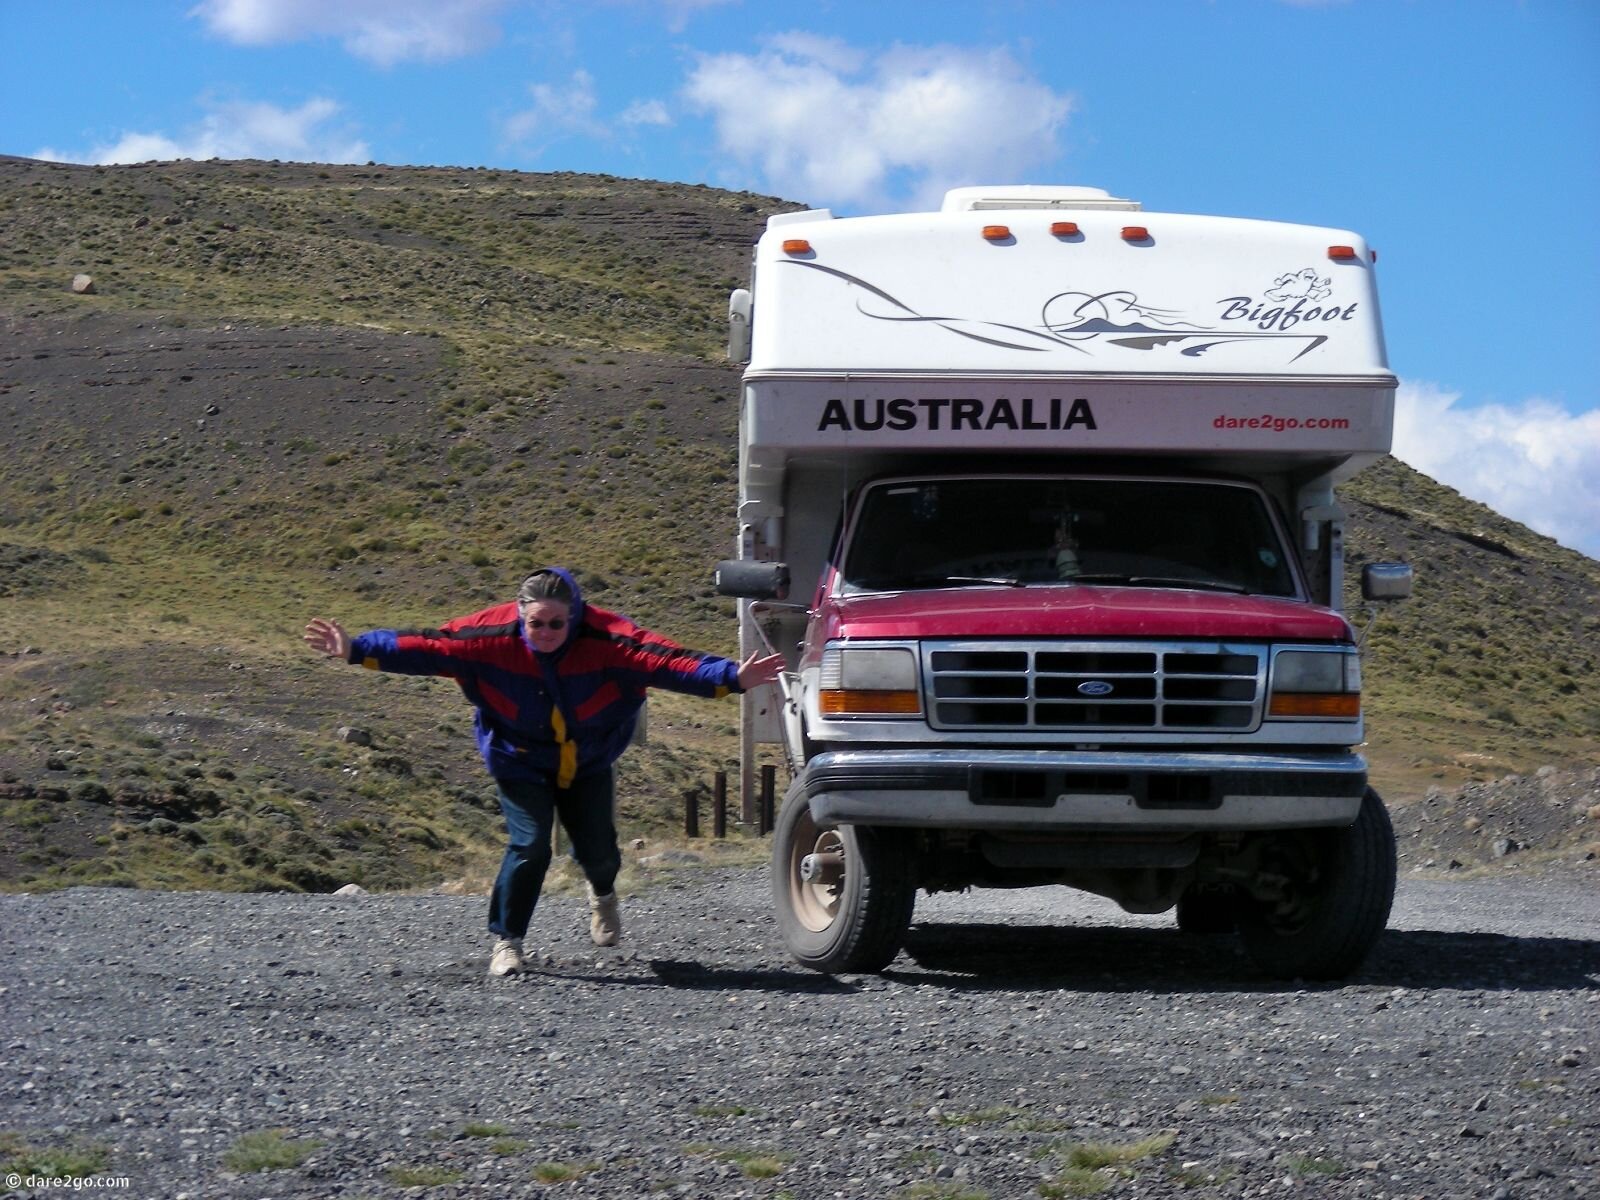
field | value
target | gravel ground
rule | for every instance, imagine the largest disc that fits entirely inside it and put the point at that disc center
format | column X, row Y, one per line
column 149, row 1033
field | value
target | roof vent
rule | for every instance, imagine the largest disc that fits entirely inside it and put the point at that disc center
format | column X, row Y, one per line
column 985, row 199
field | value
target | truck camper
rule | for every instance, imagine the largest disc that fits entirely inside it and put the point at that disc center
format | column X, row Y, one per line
column 1052, row 481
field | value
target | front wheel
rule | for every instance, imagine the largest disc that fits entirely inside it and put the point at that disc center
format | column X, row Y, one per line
column 1335, row 888
column 844, row 896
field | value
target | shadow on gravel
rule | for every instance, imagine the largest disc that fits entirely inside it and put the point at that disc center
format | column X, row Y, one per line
column 695, row 976
column 1165, row 960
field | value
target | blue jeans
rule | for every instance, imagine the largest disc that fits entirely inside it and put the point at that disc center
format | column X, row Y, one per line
column 530, row 810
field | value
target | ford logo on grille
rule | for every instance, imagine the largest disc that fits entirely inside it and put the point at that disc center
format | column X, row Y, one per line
column 1095, row 687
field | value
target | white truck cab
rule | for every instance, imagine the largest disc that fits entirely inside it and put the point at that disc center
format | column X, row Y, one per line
column 1050, row 484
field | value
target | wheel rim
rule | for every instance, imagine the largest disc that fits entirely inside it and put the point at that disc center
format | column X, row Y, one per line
column 816, row 887
column 1289, row 914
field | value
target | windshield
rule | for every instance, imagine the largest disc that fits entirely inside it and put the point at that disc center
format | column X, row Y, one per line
column 1019, row 531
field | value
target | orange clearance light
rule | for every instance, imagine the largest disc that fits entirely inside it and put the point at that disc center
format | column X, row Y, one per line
column 996, row 233
column 1135, row 233
column 1064, row 229
column 1343, row 253
column 796, row 246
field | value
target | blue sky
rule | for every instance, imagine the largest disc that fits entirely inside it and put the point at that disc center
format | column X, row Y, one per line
column 1462, row 138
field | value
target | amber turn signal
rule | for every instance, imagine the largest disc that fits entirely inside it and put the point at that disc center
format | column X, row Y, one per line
column 1315, row 704
column 855, row 703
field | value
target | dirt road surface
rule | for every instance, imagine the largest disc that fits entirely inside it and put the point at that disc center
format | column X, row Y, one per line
column 173, row 1040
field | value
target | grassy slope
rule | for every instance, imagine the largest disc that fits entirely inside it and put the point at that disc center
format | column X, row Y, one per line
column 383, row 394
column 434, row 381
column 1489, row 668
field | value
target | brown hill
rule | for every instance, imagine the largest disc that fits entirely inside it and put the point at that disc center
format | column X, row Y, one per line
column 383, row 394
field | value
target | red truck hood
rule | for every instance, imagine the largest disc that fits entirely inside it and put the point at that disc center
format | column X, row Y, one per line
column 1079, row 611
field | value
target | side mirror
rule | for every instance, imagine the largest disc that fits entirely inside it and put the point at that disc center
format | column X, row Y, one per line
column 1386, row 581
column 751, row 580
column 740, row 305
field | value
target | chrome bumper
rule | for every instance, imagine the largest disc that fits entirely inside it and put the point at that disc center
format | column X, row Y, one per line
column 1083, row 791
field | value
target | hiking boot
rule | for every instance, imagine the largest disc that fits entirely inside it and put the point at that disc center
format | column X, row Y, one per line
column 507, row 957
column 605, row 922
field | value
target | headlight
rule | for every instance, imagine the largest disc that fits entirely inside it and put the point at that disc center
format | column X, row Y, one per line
column 868, row 683
column 1316, row 683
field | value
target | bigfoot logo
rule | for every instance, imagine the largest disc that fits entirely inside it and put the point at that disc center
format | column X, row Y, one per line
column 1291, row 301
column 1084, row 322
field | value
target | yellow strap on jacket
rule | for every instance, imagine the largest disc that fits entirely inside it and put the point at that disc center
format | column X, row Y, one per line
column 568, row 768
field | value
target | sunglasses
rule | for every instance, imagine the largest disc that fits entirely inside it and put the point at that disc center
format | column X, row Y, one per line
column 557, row 624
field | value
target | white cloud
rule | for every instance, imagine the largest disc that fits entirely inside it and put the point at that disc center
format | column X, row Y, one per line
column 835, row 54
column 573, row 109
column 645, row 112
column 1534, row 462
column 382, row 31
column 558, row 109
column 817, row 120
column 236, row 129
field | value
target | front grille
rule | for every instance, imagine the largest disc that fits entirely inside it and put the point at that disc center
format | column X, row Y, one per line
column 1077, row 688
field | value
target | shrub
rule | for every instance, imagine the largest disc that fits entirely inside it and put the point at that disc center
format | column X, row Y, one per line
column 76, row 1160
column 422, row 1176
column 269, row 1150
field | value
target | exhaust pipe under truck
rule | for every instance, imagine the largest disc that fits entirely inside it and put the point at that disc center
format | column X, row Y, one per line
column 1053, row 480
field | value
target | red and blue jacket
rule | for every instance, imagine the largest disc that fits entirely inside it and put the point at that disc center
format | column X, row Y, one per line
column 551, row 717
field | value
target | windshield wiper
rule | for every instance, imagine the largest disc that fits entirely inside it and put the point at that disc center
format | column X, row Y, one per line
column 998, row 580
column 1172, row 581
column 896, row 582
column 1206, row 585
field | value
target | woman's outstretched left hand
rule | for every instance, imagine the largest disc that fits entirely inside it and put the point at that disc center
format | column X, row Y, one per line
column 757, row 670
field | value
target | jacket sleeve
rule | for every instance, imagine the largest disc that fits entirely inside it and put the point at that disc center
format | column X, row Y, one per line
column 457, row 649
column 655, row 661
column 403, row 652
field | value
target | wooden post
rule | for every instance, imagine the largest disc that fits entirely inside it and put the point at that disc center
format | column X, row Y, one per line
column 769, row 783
column 691, row 813
column 719, row 804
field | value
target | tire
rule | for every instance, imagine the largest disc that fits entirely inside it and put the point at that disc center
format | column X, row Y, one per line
column 853, row 915
column 1341, row 886
column 1208, row 910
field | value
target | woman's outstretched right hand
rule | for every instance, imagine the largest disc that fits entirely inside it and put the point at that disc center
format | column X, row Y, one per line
column 328, row 637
